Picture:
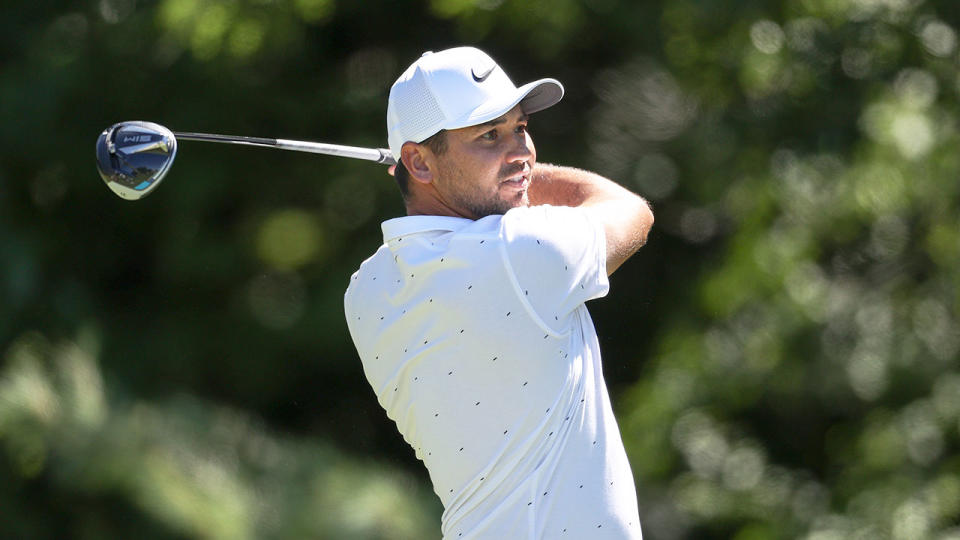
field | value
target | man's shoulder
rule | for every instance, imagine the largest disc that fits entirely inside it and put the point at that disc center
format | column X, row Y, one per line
column 541, row 240
column 532, row 215
column 546, row 222
column 396, row 229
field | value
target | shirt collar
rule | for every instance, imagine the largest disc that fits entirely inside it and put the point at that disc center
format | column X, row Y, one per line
column 402, row 226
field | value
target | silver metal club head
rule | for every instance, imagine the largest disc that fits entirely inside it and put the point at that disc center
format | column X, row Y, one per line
column 133, row 157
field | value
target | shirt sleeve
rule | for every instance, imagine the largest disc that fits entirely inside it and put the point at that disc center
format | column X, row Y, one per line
column 558, row 257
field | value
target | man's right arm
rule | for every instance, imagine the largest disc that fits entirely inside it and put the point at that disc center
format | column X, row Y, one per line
column 626, row 217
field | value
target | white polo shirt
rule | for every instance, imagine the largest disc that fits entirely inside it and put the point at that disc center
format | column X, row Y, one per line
column 475, row 337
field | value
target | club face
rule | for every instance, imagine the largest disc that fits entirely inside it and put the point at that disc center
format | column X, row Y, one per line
column 133, row 157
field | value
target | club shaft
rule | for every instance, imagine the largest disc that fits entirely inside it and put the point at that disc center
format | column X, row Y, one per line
column 380, row 155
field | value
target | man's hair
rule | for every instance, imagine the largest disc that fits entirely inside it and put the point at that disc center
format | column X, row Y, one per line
column 437, row 144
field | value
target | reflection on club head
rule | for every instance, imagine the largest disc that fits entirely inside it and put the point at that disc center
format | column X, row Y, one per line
column 133, row 157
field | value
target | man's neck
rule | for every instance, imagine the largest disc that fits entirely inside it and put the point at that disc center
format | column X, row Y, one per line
column 431, row 204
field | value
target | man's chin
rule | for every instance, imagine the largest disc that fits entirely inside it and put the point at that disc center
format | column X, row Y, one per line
column 500, row 206
column 521, row 200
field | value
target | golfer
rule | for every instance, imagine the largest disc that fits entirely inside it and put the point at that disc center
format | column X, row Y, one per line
column 470, row 318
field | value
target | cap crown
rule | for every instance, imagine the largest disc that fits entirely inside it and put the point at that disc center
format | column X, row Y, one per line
column 456, row 88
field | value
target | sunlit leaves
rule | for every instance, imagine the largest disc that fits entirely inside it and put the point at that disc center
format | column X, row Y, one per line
column 314, row 11
column 938, row 38
column 202, row 470
column 246, row 38
column 639, row 104
column 240, row 31
column 289, row 239
column 906, row 119
column 837, row 286
column 543, row 23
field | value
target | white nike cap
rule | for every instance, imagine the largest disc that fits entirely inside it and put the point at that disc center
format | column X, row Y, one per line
column 457, row 88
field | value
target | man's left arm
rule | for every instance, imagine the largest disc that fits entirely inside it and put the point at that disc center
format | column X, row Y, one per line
column 625, row 216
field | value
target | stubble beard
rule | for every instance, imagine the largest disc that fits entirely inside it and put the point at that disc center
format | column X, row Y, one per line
column 480, row 203
column 494, row 205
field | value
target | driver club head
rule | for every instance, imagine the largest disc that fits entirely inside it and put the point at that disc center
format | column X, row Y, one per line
column 133, row 157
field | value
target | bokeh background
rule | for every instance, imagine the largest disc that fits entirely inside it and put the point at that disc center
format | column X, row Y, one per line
column 784, row 354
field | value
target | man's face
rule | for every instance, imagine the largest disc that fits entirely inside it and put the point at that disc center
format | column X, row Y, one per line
column 486, row 168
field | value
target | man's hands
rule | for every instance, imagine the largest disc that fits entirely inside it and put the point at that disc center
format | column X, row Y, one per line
column 625, row 216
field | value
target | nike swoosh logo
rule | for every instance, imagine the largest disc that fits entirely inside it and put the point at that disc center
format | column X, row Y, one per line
column 483, row 76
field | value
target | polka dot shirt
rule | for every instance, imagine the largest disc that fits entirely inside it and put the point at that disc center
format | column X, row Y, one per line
column 475, row 337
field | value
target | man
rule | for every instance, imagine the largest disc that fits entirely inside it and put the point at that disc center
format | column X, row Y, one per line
column 470, row 318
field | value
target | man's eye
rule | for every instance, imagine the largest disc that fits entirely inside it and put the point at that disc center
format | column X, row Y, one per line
column 522, row 128
column 490, row 135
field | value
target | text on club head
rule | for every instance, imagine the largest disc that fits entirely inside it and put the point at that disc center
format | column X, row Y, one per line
column 135, row 138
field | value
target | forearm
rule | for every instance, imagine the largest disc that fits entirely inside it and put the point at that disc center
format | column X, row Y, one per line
column 625, row 216
column 568, row 186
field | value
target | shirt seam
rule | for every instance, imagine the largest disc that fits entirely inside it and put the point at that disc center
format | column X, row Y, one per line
column 603, row 280
column 518, row 291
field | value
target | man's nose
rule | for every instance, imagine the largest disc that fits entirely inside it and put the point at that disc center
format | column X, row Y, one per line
column 522, row 149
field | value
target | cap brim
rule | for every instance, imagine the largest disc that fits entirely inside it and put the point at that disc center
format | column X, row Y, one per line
column 532, row 97
column 540, row 95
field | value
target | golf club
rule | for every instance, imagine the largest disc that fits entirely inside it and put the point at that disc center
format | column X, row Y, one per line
column 133, row 157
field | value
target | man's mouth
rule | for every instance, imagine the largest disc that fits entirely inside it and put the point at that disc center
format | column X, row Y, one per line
column 518, row 180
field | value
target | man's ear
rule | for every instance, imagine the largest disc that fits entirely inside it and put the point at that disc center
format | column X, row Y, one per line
column 418, row 161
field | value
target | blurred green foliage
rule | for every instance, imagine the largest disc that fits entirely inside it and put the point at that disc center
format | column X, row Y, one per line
column 784, row 354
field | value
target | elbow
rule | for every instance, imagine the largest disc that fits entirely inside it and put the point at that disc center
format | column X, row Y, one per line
column 645, row 220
